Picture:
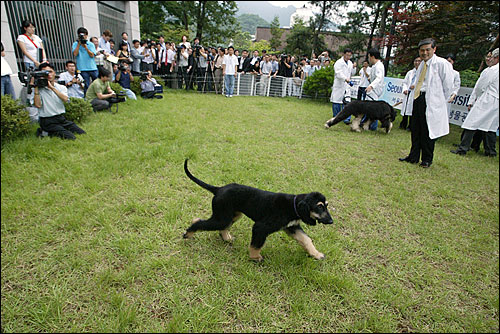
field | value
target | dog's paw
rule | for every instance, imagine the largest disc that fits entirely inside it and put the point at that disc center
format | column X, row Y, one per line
column 257, row 258
column 319, row 256
column 327, row 126
column 226, row 236
column 188, row 235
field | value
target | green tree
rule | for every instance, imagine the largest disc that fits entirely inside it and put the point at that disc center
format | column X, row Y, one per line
column 299, row 41
column 276, row 33
column 456, row 27
column 322, row 19
column 213, row 21
column 242, row 40
column 250, row 22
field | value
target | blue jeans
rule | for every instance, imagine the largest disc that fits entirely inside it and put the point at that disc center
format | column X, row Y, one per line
column 229, row 83
column 130, row 94
column 87, row 76
column 7, row 87
column 337, row 108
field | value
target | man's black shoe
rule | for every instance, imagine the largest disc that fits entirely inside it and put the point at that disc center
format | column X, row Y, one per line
column 407, row 159
column 459, row 152
column 425, row 164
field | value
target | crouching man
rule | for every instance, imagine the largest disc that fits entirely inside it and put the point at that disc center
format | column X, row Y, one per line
column 50, row 103
column 100, row 95
column 148, row 87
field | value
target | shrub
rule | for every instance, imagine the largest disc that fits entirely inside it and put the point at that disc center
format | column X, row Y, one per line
column 320, row 83
column 468, row 78
column 15, row 118
column 77, row 109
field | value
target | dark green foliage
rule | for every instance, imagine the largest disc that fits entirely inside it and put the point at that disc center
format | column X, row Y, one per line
column 320, row 83
column 468, row 78
column 77, row 110
column 15, row 118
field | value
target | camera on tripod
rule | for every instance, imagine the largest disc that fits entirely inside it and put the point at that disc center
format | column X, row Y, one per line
column 196, row 50
column 81, row 38
column 41, row 79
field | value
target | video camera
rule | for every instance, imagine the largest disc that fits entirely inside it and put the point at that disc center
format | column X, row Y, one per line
column 40, row 79
column 196, row 50
column 144, row 75
column 81, row 38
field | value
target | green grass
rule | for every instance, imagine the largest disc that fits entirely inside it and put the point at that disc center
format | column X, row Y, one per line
column 92, row 229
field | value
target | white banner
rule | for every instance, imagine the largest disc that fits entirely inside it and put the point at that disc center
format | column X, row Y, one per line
column 393, row 93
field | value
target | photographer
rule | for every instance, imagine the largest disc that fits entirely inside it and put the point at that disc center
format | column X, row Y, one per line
column 85, row 53
column 100, row 94
column 124, row 77
column 49, row 98
column 148, row 85
column 137, row 56
column 190, row 69
column 183, row 57
column 72, row 80
column 148, row 56
column 201, row 67
column 170, row 63
column 31, row 46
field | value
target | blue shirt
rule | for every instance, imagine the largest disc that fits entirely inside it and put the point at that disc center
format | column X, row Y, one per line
column 83, row 61
column 124, row 79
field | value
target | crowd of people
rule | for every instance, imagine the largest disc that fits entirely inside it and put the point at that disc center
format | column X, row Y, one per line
column 100, row 60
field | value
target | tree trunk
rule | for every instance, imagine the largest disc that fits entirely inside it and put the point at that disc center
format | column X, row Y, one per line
column 200, row 18
column 370, row 40
column 320, row 26
column 391, row 33
column 381, row 32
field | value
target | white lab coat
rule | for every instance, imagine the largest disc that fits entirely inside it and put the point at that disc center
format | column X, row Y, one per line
column 439, row 88
column 456, row 82
column 484, row 99
column 343, row 71
column 363, row 80
column 410, row 75
column 377, row 83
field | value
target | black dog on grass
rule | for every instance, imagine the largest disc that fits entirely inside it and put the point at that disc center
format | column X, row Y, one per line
column 270, row 211
column 374, row 110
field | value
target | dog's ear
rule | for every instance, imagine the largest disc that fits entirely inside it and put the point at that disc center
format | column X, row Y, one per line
column 304, row 211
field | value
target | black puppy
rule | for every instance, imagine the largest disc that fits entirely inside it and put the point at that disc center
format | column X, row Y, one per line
column 374, row 110
column 270, row 211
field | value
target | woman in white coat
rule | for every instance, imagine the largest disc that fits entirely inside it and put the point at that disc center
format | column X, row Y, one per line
column 343, row 68
column 433, row 90
column 483, row 114
column 408, row 85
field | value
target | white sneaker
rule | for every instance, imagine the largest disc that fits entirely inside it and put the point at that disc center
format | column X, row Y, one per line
column 230, row 96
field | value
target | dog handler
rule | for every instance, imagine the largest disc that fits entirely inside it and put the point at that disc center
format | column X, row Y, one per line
column 344, row 68
column 429, row 110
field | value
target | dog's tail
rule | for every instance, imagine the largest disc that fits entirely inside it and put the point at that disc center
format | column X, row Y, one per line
column 212, row 189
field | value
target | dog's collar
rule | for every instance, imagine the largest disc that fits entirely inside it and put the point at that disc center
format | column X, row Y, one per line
column 295, row 207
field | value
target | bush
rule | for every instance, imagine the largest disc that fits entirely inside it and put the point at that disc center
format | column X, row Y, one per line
column 15, row 118
column 320, row 83
column 468, row 78
column 77, row 109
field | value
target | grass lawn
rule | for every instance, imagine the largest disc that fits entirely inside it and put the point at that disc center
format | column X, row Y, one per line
column 92, row 229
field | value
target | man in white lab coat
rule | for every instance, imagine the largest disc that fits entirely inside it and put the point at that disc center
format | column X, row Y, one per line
column 483, row 106
column 433, row 90
column 375, row 89
column 343, row 68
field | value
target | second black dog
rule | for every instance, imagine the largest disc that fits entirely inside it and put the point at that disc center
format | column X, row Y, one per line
column 374, row 110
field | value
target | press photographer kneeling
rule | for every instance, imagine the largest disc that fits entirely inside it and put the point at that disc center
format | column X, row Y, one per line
column 100, row 94
column 148, row 85
column 49, row 98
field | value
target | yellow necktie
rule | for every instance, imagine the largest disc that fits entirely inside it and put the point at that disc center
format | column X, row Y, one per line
column 420, row 81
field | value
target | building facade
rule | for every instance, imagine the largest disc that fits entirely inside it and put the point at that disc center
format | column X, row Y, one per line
column 56, row 23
